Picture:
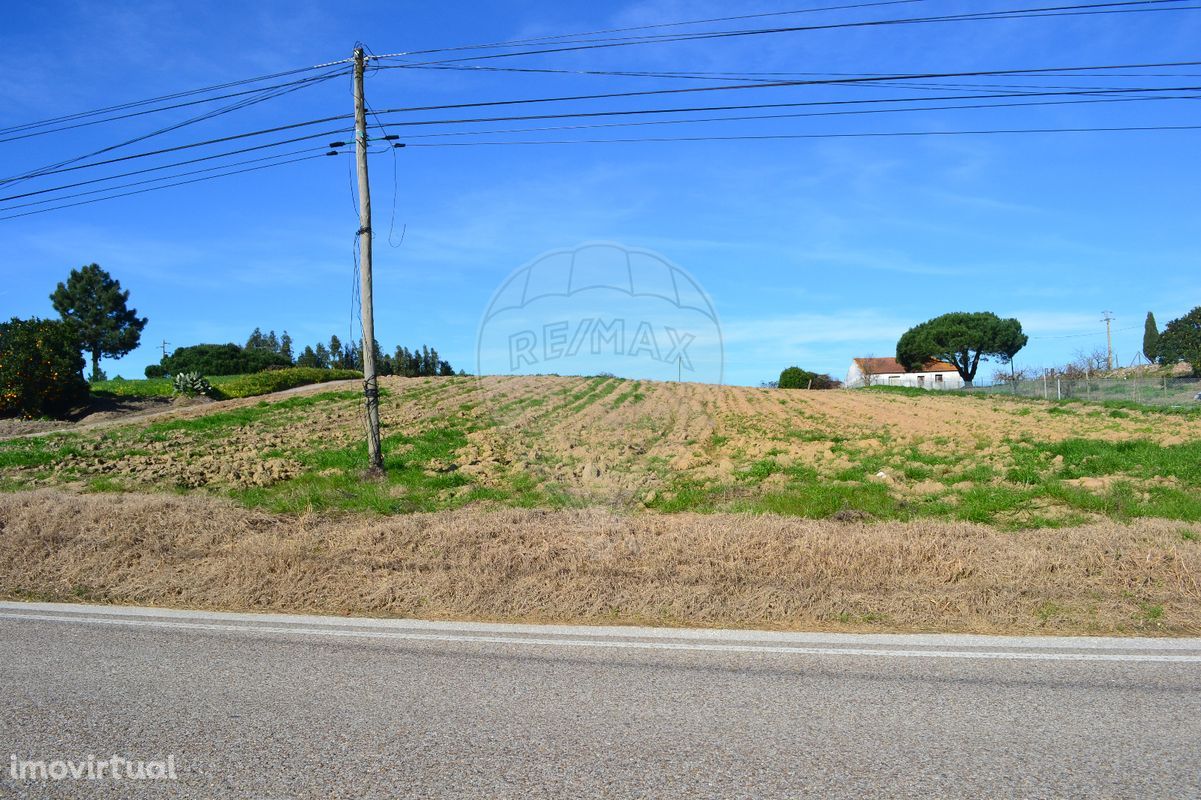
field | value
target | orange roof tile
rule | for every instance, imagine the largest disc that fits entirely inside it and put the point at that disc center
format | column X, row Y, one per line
column 883, row 366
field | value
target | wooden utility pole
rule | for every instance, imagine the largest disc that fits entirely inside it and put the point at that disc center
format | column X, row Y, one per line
column 375, row 459
column 1108, row 318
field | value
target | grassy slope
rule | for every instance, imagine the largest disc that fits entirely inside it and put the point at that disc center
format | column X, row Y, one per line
column 558, row 442
column 594, row 567
column 227, row 386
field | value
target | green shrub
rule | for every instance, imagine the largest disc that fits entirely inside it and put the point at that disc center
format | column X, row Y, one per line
column 797, row 378
column 278, row 380
column 156, row 371
column 191, row 384
column 221, row 359
column 41, row 368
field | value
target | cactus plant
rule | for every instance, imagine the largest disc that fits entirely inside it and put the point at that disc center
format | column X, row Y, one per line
column 191, row 384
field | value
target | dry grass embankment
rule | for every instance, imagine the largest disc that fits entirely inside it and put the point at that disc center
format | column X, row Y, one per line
column 594, row 566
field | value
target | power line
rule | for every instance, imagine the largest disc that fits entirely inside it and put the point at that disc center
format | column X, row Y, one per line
column 167, row 186
column 166, row 97
column 1081, row 335
column 205, row 143
column 322, row 135
column 161, row 178
column 760, row 106
column 868, row 79
column 974, row 106
column 884, row 134
column 553, row 37
column 761, row 77
column 607, row 95
column 27, row 135
column 755, row 106
column 887, row 134
column 262, row 97
column 1021, row 13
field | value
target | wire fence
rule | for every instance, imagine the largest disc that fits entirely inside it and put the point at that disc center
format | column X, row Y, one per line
column 1148, row 389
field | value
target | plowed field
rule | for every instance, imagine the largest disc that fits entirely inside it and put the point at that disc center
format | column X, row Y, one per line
column 644, row 446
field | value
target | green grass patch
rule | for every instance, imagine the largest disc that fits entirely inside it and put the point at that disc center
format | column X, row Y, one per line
column 810, row 435
column 277, row 380
column 37, row 451
column 267, row 413
column 227, row 386
column 419, row 475
column 142, row 387
column 985, row 503
column 1138, row 458
column 335, row 481
column 818, row 500
column 632, row 395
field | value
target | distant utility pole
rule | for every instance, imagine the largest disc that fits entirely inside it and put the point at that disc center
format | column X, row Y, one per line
column 375, row 459
column 163, row 346
column 1108, row 318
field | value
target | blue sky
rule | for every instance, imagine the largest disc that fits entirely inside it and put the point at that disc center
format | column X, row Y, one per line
column 812, row 251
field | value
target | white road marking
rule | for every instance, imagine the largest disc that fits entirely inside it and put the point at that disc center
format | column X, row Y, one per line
column 529, row 641
column 788, row 638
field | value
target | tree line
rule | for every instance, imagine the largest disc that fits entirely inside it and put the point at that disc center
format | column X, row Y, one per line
column 269, row 351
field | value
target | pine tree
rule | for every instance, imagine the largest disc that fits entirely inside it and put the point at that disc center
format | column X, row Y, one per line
column 404, row 362
column 256, row 340
column 92, row 303
column 285, row 346
column 322, row 356
column 272, row 342
column 308, row 358
column 352, row 357
column 335, row 352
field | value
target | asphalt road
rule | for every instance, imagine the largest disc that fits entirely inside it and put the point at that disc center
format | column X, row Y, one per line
column 255, row 706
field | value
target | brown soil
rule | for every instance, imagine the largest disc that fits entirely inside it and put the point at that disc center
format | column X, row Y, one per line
column 107, row 412
column 99, row 409
column 598, row 567
column 22, row 427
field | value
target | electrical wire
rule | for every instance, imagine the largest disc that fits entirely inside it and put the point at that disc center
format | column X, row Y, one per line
column 868, row 79
column 754, row 106
column 395, row 178
column 743, row 118
column 28, row 135
column 324, row 134
column 263, row 97
column 766, row 77
column 166, row 97
column 1021, row 13
column 554, row 37
column 158, row 179
column 205, row 143
column 762, row 137
column 157, row 188
column 1081, row 335
column 518, row 118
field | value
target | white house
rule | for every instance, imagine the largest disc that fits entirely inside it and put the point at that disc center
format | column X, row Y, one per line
column 889, row 372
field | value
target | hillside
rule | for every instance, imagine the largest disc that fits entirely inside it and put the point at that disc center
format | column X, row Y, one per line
column 568, row 442
column 577, row 500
